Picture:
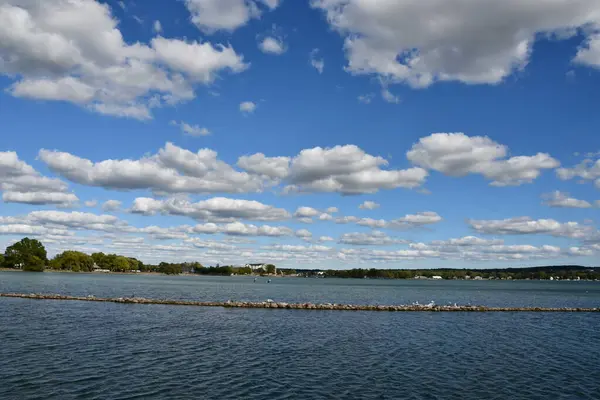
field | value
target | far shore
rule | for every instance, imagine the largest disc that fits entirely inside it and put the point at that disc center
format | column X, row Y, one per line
column 269, row 276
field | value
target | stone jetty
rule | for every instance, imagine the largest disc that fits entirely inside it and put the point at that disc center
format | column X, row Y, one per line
column 298, row 306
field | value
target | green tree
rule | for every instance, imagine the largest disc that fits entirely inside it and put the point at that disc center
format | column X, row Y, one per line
column 169, row 269
column 100, row 260
column 270, row 268
column 28, row 254
column 73, row 260
column 134, row 264
column 1, row 260
column 243, row 271
column 34, row 264
column 118, row 263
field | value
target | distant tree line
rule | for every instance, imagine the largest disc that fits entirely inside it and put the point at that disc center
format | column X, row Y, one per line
column 544, row 272
column 30, row 255
column 116, row 263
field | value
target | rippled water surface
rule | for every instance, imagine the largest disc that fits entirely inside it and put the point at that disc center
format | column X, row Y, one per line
column 80, row 350
column 351, row 291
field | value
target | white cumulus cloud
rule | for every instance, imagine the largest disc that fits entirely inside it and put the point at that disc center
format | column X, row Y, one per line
column 474, row 42
column 273, row 167
column 374, row 238
column 306, row 212
column 389, row 96
column 587, row 170
column 172, row 170
column 21, row 183
column 347, row 170
column 272, row 45
column 216, row 209
column 50, row 54
column 457, row 154
column 226, row 15
column 409, row 221
column 247, row 107
column 191, row 130
column 368, row 205
column 111, row 205
column 157, row 27
column 317, row 62
column 303, row 234
column 529, row 226
column 560, row 199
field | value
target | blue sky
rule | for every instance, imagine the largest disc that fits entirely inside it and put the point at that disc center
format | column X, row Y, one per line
column 226, row 131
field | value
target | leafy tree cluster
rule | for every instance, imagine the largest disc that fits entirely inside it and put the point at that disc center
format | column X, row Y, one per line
column 75, row 261
column 270, row 269
column 116, row 263
column 27, row 254
column 170, row 269
column 218, row 270
column 173, row 268
column 242, row 270
column 287, row 271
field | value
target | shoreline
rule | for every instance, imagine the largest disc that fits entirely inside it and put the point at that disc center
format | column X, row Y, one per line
column 55, row 271
column 297, row 306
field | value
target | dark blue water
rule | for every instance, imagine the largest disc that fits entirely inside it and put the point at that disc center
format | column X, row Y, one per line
column 80, row 350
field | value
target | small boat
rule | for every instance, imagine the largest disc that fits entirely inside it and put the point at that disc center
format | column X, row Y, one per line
column 269, row 281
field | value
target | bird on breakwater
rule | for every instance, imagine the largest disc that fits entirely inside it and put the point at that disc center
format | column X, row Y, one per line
column 299, row 306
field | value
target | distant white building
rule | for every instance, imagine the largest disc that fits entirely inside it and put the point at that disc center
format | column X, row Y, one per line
column 436, row 277
column 257, row 267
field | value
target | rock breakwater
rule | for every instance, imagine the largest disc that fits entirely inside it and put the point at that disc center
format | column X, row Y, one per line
column 297, row 306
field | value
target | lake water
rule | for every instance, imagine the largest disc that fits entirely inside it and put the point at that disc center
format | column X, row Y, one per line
column 81, row 350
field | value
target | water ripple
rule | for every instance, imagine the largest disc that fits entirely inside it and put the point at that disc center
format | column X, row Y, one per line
column 56, row 350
